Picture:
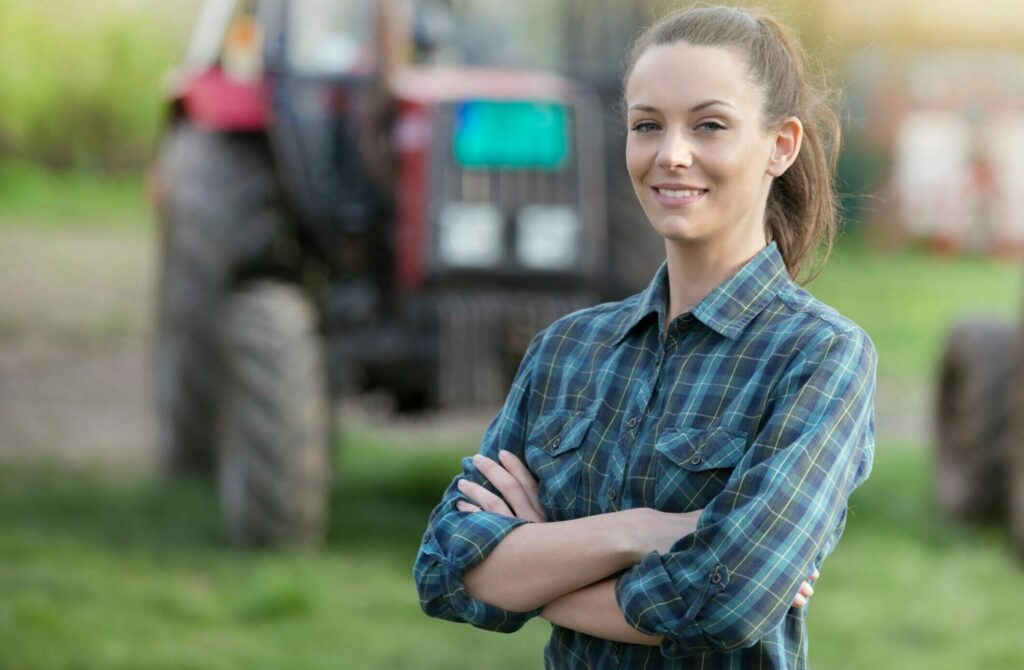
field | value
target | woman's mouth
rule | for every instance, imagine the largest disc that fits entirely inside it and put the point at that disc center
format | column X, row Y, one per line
column 677, row 196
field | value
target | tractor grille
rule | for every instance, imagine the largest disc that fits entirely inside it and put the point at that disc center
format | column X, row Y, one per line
column 482, row 337
column 578, row 183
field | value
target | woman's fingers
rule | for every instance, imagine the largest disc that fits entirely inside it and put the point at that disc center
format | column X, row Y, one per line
column 508, row 486
column 484, row 498
column 464, row 506
column 522, row 474
column 815, row 576
column 803, row 594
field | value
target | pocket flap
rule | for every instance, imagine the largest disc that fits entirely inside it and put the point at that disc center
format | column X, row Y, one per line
column 559, row 432
column 702, row 448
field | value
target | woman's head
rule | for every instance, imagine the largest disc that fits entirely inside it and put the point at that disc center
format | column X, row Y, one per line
column 670, row 62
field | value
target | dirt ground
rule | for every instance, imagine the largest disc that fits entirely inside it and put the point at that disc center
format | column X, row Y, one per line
column 74, row 315
column 75, row 321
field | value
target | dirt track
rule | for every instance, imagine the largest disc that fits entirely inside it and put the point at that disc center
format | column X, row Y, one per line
column 75, row 308
column 74, row 312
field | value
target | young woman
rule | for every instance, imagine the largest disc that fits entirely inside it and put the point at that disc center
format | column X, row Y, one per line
column 669, row 471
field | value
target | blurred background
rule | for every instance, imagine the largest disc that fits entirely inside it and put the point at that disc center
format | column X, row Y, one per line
column 291, row 252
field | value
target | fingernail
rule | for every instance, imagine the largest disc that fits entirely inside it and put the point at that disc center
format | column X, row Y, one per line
column 462, row 483
column 478, row 459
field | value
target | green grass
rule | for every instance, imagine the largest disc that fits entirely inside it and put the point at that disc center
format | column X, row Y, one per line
column 101, row 572
column 33, row 196
column 907, row 299
column 906, row 589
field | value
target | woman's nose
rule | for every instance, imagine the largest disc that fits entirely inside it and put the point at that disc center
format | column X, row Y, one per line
column 674, row 152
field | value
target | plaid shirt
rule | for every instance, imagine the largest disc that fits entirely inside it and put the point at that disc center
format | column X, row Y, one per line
column 756, row 407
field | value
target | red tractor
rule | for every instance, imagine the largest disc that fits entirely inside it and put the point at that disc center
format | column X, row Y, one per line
column 337, row 218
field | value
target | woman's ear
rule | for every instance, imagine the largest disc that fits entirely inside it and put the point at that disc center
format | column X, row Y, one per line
column 787, row 145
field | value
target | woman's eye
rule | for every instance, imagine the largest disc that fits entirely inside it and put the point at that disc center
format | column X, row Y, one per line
column 645, row 127
column 710, row 126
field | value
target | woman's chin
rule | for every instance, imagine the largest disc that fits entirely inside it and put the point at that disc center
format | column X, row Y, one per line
column 681, row 231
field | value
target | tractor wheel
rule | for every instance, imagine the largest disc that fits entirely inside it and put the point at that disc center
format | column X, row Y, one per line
column 1015, row 455
column 221, row 209
column 973, row 418
column 274, row 464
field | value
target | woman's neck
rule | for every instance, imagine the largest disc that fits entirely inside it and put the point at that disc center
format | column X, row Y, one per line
column 696, row 269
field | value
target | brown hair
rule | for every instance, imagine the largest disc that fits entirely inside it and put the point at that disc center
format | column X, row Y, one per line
column 801, row 211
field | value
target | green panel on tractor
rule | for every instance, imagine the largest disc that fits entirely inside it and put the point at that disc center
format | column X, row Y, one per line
column 511, row 135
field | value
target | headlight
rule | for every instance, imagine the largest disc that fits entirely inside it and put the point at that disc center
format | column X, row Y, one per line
column 469, row 235
column 548, row 237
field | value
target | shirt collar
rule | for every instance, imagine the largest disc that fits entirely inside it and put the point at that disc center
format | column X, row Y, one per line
column 730, row 306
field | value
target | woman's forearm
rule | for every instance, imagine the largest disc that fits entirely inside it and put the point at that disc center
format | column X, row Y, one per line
column 538, row 562
column 594, row 610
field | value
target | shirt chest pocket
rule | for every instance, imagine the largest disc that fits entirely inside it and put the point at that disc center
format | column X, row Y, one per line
column 554, row 455
column 692, row 466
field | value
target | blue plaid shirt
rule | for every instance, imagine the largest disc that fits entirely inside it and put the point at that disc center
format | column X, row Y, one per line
column 756, row 407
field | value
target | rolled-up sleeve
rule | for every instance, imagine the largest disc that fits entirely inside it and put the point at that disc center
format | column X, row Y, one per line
column 732, row 581
column 456, row 541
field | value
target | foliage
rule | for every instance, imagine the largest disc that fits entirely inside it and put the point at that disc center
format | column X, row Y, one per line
column 80, row 80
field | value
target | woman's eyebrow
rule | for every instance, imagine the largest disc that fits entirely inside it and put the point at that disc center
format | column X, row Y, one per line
column 640, row 107
column 711, row 103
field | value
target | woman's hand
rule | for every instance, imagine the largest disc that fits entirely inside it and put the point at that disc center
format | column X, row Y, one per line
column 513, row 481
column 805, row 591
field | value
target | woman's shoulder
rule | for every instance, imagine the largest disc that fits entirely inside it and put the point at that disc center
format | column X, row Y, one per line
column 808, row 318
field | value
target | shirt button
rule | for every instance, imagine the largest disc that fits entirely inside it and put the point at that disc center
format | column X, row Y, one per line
column 673, row 648
column 631, row 422
column 695, row 460
column 612, row 494
column 555, row 442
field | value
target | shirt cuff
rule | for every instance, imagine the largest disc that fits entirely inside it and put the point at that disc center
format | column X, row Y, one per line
column 468, row 538
column 652, row 602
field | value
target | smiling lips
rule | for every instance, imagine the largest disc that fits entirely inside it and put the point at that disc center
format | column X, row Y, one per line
column 677, row 195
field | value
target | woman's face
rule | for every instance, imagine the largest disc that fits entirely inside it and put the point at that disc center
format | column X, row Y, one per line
column 697, row 152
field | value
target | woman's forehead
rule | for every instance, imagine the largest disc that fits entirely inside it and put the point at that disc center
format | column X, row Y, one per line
column 684, row 75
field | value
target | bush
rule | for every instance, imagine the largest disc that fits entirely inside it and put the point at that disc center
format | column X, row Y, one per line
column 80, row 81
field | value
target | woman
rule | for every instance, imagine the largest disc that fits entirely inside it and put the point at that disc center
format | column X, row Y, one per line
column 667, row 471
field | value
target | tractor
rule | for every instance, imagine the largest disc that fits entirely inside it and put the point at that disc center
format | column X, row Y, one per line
column 349, row 200
column 979, row 465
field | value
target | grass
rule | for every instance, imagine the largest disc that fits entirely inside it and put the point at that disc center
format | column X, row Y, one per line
column 33, row 196
column 100, row 572
column 105, row 572
column 907, row 299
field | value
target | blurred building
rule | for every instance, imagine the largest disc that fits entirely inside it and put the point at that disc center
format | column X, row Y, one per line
column 939, row 89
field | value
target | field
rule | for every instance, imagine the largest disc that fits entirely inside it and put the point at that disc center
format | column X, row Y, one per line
column 102, row 565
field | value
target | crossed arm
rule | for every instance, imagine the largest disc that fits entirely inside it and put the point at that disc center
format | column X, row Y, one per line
column 581, row 557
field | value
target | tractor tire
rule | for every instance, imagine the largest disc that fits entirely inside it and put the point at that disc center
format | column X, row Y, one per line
column 274, row 458
column 222, row 208
column 973, row 419
column 1015, row 455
